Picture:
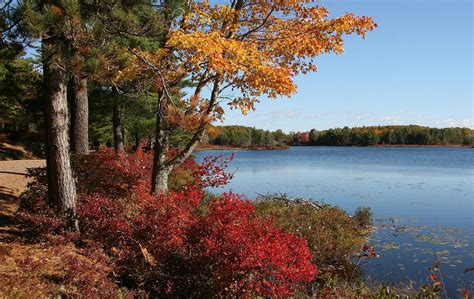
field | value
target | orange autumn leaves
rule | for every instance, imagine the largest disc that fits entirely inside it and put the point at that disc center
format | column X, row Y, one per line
column 255, row 47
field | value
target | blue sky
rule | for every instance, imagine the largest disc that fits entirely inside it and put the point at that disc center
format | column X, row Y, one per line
column 415, row 68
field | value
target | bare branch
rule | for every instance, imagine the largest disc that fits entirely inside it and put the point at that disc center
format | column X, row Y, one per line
column 259, row 26
column 188, row 149
column 155, row 69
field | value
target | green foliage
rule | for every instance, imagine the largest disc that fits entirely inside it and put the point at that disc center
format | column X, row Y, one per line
column 394, row 135
column 20, row 88
column 333, row 236
column 240, row 136
column 138, row 117
column 363, row 216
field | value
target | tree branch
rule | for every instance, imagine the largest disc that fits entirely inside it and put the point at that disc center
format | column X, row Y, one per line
column 258, row 27
column 154, row 69
column 188, row 149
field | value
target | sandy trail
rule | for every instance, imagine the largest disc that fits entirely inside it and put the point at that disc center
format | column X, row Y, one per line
column 12, row 176
column 13, row 182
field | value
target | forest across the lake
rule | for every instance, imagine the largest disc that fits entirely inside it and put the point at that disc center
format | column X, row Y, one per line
column 401, row 135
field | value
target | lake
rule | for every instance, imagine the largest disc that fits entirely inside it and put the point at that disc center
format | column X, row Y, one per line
column 421, row 197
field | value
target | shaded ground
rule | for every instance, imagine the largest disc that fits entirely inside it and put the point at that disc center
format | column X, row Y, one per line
column 27, row 269
column 13, row 152
column 13, row 182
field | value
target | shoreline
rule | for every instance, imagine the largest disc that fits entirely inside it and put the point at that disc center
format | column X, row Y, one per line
column 208, row 147
column 396, row 145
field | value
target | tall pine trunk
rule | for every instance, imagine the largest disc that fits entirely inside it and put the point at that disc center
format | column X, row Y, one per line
column 80, row 116
column 117, row 127
column 61, row 185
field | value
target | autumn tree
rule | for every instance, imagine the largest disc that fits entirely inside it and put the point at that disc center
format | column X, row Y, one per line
column 251, row 47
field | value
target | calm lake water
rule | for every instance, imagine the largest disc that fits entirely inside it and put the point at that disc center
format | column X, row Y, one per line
column 422, row 198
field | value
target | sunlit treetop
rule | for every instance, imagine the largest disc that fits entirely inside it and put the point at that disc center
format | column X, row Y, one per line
column 255, row 47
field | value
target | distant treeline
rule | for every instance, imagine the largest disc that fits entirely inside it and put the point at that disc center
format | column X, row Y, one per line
column 240, row 136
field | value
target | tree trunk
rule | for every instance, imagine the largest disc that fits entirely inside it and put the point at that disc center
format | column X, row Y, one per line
column 160, row 172
column 61, row 185
column 80, row 117
column 160, row 181
column 137, row 141
column 162, row 166
column 117, row 126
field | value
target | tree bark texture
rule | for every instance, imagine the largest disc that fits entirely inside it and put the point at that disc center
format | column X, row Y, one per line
column 117, row 127
column 80, row 116
column 61, row 184
column 137, row 141
column 161, row 171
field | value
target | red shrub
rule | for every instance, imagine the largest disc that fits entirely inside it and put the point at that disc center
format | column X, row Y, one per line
column 212, row 172
column 243, row 254
column 169, row 246
column 109, row 173
column 180, row 245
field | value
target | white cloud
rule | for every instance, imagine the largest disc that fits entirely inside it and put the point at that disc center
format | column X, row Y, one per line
column 284, row 113
column 391, row 120
column 316, row 116
column 361, row 116
column 451, row 122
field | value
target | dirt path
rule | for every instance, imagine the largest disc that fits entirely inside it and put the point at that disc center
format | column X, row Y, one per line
column 12, row 176
column 13, row 181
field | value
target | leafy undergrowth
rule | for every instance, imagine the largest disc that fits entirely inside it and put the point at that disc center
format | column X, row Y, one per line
column 334, row 237
column 179, row 244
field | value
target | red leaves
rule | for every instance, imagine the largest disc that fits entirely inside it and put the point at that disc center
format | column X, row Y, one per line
column 235, row 241
column 436, row 276
column 181, row 244
column 369, row 251
column 117, row 175
column 274, row 262
column 181, row 248
column 211, row 172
